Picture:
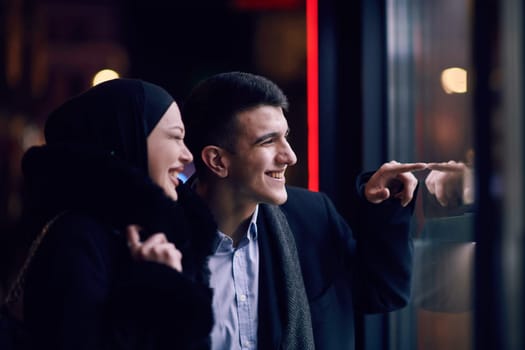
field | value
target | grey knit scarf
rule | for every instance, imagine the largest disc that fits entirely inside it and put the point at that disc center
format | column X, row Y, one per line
column 297, row 332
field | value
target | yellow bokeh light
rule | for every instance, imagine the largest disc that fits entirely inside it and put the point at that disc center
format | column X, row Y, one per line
column 104, row 75
column 454, row 80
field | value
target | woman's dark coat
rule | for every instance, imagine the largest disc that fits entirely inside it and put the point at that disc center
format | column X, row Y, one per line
column 83, row 290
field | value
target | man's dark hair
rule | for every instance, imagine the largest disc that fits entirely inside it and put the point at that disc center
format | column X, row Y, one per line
column 210, row 111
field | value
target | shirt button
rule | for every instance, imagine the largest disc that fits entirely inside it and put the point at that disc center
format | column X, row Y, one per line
column 243, row 298
column 247, row 343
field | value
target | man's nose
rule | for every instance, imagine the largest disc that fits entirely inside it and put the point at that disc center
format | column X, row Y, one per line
column 287, row 155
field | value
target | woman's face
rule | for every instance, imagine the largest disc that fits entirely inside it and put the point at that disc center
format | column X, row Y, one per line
column 167, row 153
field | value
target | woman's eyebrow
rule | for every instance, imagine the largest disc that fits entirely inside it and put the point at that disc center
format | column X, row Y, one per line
column 173, row 127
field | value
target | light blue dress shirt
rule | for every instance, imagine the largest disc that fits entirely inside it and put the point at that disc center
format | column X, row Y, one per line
column 235, row 282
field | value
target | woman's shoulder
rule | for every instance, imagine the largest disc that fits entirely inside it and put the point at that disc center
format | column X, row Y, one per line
column 76, row 249
column 73, row 232
column 77, row 223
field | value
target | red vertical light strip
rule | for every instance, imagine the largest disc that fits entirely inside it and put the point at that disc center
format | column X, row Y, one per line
column 312, row 93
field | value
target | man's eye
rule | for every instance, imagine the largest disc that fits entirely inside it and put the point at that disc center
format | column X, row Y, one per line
column 267, row 142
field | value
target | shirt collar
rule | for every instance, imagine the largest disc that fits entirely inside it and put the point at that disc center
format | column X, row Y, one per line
column 252, row 229
column 225, row 244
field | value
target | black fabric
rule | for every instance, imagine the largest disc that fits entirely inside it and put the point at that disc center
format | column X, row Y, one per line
column 13, row 333
column 105, row 126
column 295, row 312
column 202, row 231
column 344, row 271
column 270, row 305
column 70, row 177
column 115, row 116
column 83, row 290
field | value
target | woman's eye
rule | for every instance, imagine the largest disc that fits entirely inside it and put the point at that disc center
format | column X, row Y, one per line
column 177, row 137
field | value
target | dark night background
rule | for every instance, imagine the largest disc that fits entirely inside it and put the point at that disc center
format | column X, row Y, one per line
column 51, row 50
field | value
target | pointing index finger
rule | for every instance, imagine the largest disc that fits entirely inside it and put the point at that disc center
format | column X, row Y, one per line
column 406, row 167
column 454, row 167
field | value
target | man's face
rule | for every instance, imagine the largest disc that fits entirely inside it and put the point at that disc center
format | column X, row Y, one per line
column 262, row 154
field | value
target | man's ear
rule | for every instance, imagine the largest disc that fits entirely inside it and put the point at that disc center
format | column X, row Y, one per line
column 216, row 160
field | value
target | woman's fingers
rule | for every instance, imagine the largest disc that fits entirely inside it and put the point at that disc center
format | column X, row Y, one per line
column 133, row 237
column 155, row 249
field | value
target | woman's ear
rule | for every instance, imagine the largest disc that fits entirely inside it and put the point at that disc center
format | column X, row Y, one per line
column 216, row 160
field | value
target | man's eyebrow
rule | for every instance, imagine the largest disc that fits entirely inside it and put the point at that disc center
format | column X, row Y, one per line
column 265, row 137
column 270, row 135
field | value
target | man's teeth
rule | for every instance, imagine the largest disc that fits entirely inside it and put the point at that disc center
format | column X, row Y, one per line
column 276, row 174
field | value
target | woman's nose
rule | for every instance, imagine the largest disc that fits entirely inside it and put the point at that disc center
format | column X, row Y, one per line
column 187, row 157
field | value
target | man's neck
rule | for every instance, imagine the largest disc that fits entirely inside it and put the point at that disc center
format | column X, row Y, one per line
column 232, row 216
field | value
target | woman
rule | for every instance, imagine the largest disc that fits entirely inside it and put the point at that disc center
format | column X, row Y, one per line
column 109, row 170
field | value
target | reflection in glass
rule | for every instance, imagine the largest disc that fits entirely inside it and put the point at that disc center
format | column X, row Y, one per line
column 451, row 183
column 454, row 80
column 428, row 64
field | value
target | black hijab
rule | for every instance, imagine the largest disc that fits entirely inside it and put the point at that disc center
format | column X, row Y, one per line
column 95, row 157
column 115, row 116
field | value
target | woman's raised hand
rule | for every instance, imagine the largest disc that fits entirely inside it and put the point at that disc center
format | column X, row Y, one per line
column 156, row 248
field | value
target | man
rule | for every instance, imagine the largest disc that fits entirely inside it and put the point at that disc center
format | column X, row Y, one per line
column 287, row 271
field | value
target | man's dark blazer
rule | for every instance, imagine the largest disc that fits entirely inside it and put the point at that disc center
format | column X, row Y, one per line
column 367, row 269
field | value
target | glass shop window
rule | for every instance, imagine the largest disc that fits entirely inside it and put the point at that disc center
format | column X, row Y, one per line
column 430, row 120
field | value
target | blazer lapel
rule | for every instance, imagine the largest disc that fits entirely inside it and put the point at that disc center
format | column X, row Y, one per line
column 270, row 327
